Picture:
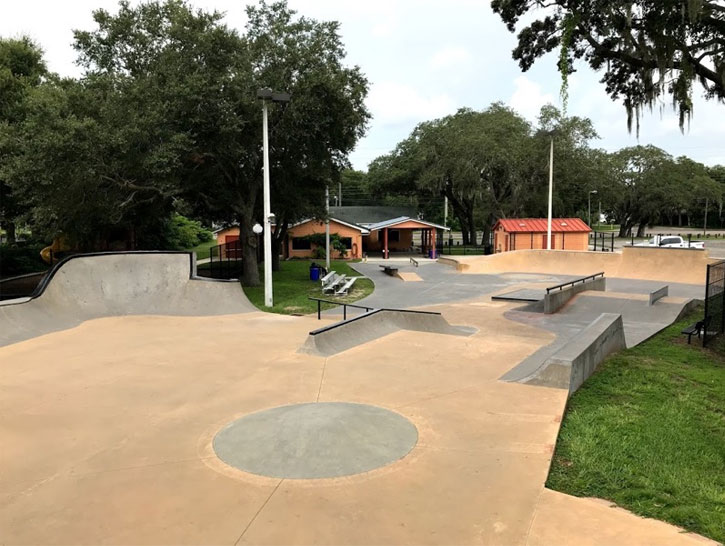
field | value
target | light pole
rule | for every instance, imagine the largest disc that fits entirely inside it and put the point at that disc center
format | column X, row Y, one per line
column 265, row 95
column 551, row 190
column 590, row 205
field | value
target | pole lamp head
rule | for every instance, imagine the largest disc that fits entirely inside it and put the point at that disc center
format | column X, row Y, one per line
column 264, row 93
column 257, row 229
column 594, row 191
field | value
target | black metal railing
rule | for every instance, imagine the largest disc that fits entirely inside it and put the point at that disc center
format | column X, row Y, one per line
column 450, row 248
column 714, row 321
column 601, row 236
column 320, row 301
column 575, row 281
column 225, row 262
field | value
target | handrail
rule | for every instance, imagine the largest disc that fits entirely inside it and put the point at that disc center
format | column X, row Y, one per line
column 320, row 301
column 367, row 308
column 572, row 283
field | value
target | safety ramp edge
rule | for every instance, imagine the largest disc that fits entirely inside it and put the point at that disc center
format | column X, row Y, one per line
column 377, row 323
column 576, row 361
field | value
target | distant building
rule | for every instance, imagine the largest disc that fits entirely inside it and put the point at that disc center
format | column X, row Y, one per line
column 530, row 233
column 363, row 230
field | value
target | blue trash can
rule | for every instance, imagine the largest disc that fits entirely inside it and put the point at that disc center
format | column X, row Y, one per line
column 432, row 254
column 314, row 273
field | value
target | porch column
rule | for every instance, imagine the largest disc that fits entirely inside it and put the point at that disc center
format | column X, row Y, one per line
column 422, row 241
column 385, row 243
column 433, row 242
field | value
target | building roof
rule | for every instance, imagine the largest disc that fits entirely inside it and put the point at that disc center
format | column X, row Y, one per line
column 392, row 222
column 364, row 216
column 361, row 229
column 539, row 225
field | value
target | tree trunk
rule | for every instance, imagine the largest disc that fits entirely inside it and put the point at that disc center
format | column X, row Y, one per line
column 641, row 229
column 250, row 267
column 10, row 231
column 486, row 237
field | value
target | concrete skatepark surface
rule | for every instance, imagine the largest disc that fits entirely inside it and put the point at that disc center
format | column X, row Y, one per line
column 108, row 430
column 320, row 440
column 85, row 287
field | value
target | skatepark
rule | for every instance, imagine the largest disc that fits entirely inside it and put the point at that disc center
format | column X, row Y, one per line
column 142, row 404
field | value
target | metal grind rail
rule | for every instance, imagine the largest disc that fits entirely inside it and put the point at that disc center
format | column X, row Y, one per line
column 575, row 281
column 368, row 311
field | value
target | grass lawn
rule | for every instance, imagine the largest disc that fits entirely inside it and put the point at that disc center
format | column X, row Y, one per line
column 292, row 288
column 647, row 431
column 202, row 250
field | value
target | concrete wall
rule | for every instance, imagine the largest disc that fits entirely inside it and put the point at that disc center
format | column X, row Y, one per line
column 657, row 264
column 658, row 294
column 556, row 299
column 578, row 359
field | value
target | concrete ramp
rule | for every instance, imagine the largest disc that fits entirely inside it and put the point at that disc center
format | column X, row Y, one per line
column 676, row 265
column 378, row 323
column 89, row 286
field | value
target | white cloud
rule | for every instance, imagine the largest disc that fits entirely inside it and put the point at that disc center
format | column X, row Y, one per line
column 528, row 98
column 393, row 103
column 450, row 56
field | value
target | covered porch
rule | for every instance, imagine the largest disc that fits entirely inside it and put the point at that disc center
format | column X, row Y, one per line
column 396, row 235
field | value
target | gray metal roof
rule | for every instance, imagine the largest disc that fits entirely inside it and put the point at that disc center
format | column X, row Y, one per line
column 392, row 222
column 364, row 216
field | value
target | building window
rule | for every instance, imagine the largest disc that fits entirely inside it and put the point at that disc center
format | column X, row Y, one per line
column 394, row 236
column 301, row 243
column 347, row 241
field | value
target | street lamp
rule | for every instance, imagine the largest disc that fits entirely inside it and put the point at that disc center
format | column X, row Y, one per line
column 590, row 206
column 266, row 95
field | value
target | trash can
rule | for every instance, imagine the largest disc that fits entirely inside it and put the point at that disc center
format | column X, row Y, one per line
column 314, row 272
column 432, row 254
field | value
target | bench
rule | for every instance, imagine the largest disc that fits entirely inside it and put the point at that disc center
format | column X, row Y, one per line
column 345, row 288
column 389, row 270
column 327, row 278
column 697, row 328
column 332, row 286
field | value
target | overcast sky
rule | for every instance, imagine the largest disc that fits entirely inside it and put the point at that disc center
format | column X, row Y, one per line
column 424, row 59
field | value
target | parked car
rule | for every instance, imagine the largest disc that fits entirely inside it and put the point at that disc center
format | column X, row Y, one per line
column 672, row 241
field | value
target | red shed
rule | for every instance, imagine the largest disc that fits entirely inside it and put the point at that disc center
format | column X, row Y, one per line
column 530, row 233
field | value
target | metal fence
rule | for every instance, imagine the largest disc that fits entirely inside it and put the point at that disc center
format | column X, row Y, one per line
column 714, row 321
column 225, row 262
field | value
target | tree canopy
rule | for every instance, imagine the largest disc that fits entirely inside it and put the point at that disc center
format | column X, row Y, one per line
column 648, row 49
column 165, row 119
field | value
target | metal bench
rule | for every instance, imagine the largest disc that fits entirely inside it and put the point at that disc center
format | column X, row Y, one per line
column 697, row 328
column 389, row 270
column 327, row 278
column 345, row 288
column 331, row 287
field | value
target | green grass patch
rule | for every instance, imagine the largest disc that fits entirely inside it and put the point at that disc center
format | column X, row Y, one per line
column 647, row 431
column 202, row 250
column 292, row 288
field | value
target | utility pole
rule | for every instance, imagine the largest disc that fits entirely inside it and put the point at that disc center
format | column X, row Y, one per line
column 551, row 192
column 339, row 194
column 327, row 228
column 445, row 211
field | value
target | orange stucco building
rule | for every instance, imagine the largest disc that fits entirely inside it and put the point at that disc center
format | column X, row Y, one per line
column 299, row 246
column 384, row 237
column 530, row 233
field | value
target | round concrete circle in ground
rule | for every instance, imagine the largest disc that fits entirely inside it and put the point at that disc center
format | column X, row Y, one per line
column 316, row 440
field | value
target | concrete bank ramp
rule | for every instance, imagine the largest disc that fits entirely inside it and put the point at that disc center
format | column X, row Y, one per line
column 89, row 286
column 378, row 323
column 676, row 265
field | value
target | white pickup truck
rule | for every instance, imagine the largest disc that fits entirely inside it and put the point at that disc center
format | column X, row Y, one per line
column 672, row 241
